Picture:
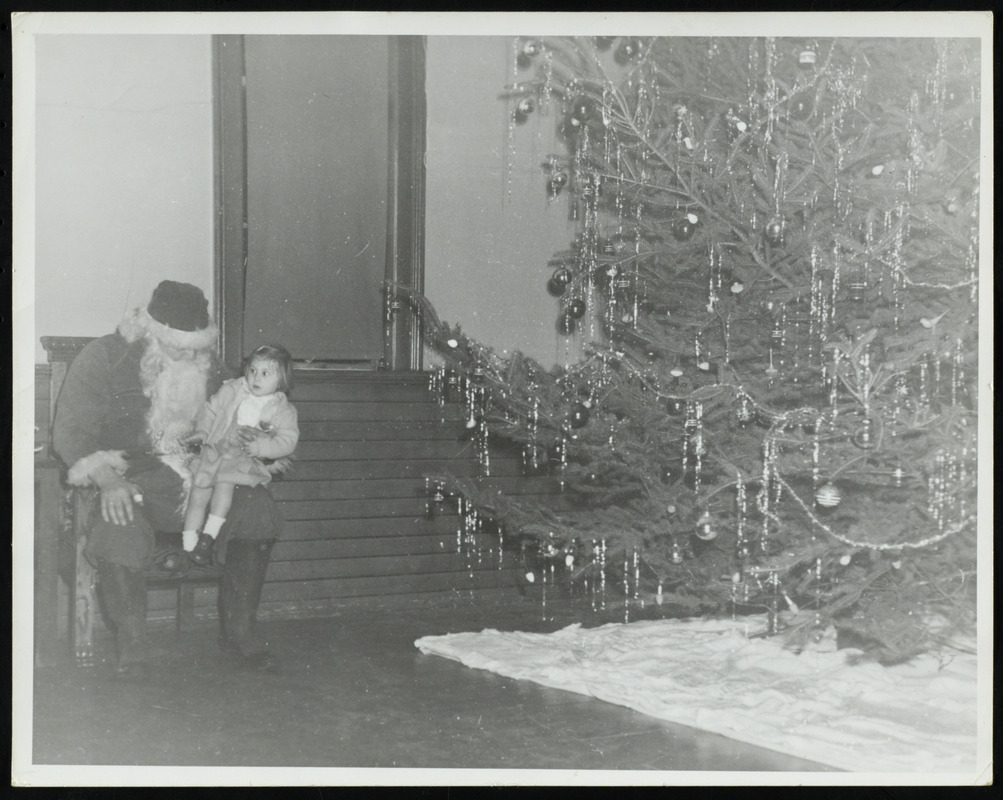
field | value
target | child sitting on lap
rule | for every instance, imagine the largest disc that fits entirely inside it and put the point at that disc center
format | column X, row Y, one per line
column 249, row 419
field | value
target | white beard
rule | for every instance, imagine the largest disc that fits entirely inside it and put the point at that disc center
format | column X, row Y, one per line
column 177, row 392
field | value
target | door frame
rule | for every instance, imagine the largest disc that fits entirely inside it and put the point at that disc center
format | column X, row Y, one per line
column 405, row 250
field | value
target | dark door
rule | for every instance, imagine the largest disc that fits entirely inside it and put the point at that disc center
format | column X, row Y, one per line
column 315, row 134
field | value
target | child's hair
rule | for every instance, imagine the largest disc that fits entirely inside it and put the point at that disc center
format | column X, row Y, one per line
column 282, row 358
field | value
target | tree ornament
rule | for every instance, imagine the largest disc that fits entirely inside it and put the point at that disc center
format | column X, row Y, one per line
column 857, row 290
column 705, row 527
column 876, row 171
column 603, row 42
column 898, row 476
column 579, row 416
column 802, row 106
column 677, row 556
column 627, row 51
column 828, row 495
column 807, row 58
column 527, row 52
column 582, row 110
column 566, row 324
column 523, row 109
column 737, row 287
column 774, row 231
column 576, row 308
column 864, row 437
column 559, row 281
column 744, row 412
column 674, row 407
column 683, row 227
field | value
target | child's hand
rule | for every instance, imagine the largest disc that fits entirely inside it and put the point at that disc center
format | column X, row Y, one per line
column 250, row 438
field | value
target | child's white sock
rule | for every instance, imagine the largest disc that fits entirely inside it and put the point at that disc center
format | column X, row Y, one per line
column 189, row 539
column 212, row 525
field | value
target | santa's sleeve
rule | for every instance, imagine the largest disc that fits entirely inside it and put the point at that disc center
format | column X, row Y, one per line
column 76, row 428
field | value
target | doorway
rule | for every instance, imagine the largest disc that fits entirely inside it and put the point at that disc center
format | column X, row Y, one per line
column 319, row 144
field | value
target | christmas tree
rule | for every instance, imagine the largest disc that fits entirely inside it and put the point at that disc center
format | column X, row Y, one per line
column 774, row 281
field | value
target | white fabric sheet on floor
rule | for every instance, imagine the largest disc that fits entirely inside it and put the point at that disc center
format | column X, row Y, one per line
column 914, row 717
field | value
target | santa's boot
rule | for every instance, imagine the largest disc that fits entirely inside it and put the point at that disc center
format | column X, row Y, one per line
column 124, row 593
column 239, row 594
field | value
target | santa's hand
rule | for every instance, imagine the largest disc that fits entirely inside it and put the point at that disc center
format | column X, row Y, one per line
column 117, row 496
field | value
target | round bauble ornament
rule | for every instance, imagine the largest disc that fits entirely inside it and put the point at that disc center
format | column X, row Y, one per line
column 566, row 324
column 627, row 51
column 603, row 42
column 579, row 416
column 774, row 231
column 582, row 110
column 530, row 577
column 531, row 48
column 865, row 436
column 576, row 308
column 684, row 227
column 807, row 58
column 802, row 106
column 705, row 527
column 523, row 109
column 737, row 287
column 828, row 495
column 559, row 281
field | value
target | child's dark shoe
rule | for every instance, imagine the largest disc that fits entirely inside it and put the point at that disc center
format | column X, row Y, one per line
column 202, row 553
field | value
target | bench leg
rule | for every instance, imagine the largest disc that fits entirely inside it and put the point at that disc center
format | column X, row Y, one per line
column 84, row 609
column 83, row 597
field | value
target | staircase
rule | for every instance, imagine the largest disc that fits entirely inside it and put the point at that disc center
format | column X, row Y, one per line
column 355, row 502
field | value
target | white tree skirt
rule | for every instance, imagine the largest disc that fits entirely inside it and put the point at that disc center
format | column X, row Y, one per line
column 915, row 717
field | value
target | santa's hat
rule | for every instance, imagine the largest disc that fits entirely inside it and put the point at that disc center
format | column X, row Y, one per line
column 177, row 315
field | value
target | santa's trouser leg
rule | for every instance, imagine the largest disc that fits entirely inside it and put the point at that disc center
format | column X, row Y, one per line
column 239, row 595
column 124, row 593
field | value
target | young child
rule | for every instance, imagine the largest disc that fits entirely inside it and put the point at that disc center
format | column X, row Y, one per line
column 247, row 420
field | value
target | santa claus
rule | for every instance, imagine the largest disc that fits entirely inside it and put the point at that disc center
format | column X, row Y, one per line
column 127, row 406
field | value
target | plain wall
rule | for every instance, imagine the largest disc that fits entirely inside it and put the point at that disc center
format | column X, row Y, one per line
column 490, row 229
column 124, row 187
column 123, row 175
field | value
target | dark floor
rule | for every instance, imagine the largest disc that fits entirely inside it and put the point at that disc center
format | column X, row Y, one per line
column 355, row 692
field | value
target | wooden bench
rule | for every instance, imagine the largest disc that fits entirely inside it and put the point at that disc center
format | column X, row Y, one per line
column 61, row 524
